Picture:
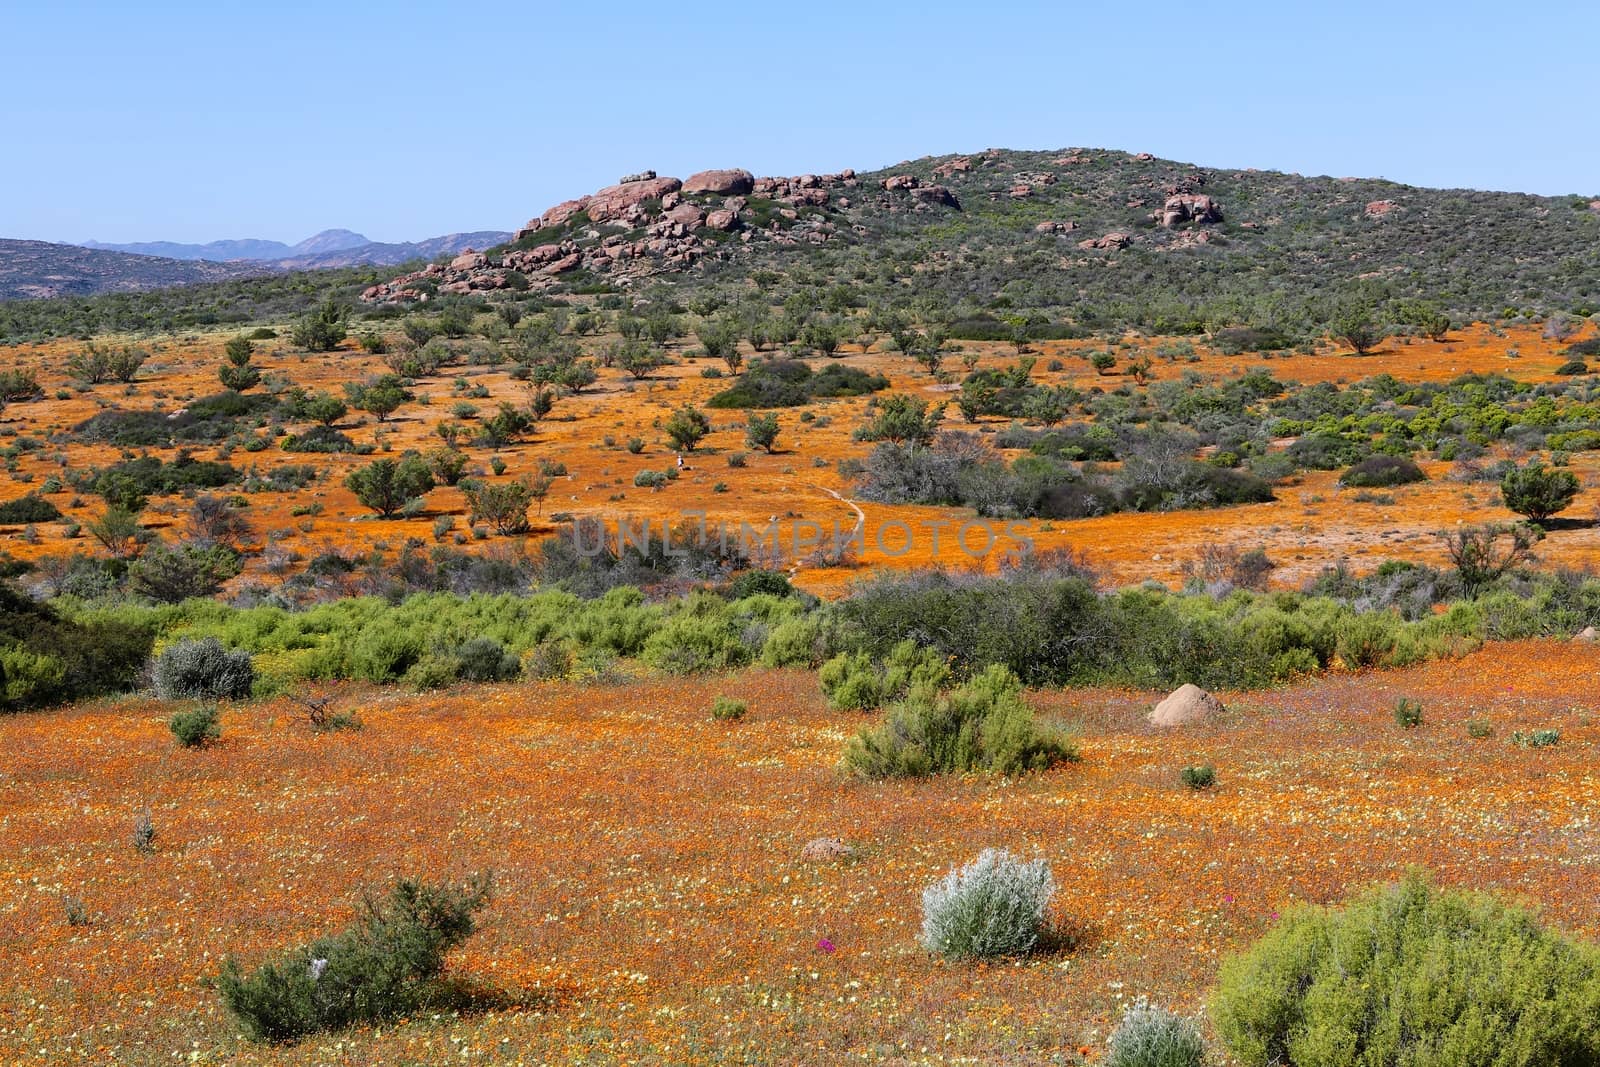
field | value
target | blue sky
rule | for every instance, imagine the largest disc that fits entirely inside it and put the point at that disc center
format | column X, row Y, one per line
column 198, row 121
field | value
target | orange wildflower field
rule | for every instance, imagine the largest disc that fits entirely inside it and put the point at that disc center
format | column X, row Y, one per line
column 651, row 905
column 1313, row 522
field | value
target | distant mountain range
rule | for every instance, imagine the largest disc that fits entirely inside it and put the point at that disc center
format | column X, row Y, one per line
column 330, row 248
column 38, row 269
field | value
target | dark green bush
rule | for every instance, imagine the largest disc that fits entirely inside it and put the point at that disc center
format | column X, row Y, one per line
column 727, row 709
column 1202, row 776
column 30, row 507
column 1382, row 471
column 386, row 965
column 47, row 659
column 1416, row 976
column 195, row 727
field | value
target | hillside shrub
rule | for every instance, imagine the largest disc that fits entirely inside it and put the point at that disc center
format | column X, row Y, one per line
column 1381, row 472
column 982, row 726
column 30, row 507
column 386, row 965
column 994, row 906
column 202, row 670
column 1411, row 975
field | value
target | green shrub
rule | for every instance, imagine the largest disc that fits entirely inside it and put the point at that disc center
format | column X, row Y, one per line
column 1480, row 729
column 1407, row 713
column 202, row 670
column 1152, row 1036
column 1538, row 492
column 1201, row 776
column 1382, row 471
column 1413, row 975
column 195, row 727
column 983, row 726
column 386, row 965
column 856, row 680
column 994, row 906
column 727, row 709
column 28, row 508
column 1536, row 738
column 704, row 635
column 483, row 659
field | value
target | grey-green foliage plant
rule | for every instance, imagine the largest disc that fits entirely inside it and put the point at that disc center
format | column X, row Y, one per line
column 1151, row 1036
column 994, row 906
column 202, row 669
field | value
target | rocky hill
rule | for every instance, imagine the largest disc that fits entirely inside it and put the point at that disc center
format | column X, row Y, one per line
column 37, row 269
column 1092, row 230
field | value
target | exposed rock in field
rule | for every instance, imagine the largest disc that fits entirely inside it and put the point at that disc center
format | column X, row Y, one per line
column 722, row 220
column 1588, row 635
column 936, row 194
column 823, row 849
column 1379, row 208
column 1187, row 704
column 1115, row 239
column 737, row 182
column 1190, row 207
column 901, row 181
column 469, row 260
column 614, row 200
column 1055, row 227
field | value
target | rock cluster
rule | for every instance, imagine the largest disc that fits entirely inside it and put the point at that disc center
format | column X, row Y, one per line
column 642, row 225
column 1379, row 208
column 1189, row 207
column 1114, row 240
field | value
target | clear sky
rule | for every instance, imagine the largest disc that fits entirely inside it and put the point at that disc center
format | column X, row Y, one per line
column 197, row 121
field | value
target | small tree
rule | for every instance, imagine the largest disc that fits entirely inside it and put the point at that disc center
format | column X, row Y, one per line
column 1482, row 554
column 902, row 419
column 1538, row 492
column 118, row 530
column 687, row 426
column 325, row 408
column 382, row 397
column 639, row 358
column 237, row 373
column 387, row 486
column 171, row 575
column 503, row 505
column 720, row 339
column 761, row 431
column 322, row 330
column 1357, row 327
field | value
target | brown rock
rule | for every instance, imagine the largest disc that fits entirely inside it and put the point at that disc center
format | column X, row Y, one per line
column 1588, row 635
column 1113, row 240
column 687, row 214
column 1190, row 207
column 566, row 263
column 469, row 260
column 901, row 181
column 1379, row 208
column 722, row 220
column 1144, row 157
column 561, row 212
column 720, row 182
column 1188, row 704
column 1020, row 192
column 936, row 194
column 614, row 200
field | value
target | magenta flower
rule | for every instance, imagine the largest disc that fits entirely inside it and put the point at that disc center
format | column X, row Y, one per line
column 824, row 945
